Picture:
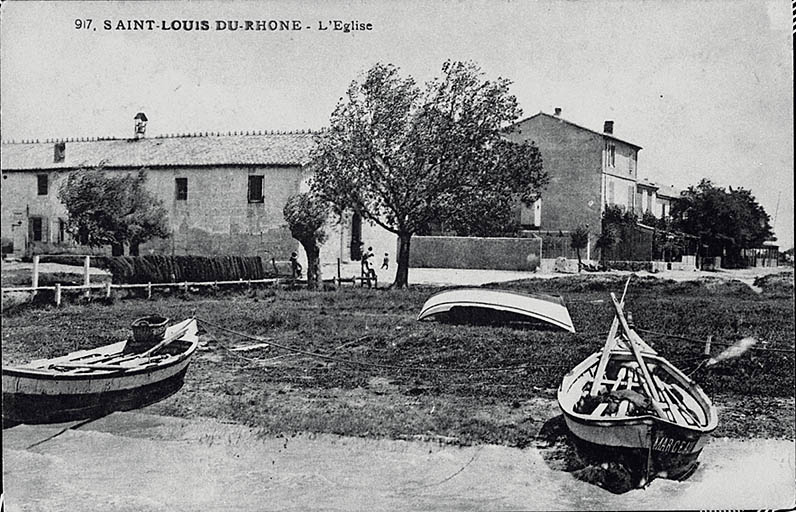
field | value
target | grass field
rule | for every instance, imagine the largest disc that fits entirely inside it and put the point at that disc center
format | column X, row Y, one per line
column 423, row 379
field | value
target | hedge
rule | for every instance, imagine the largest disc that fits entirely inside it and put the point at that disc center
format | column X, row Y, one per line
column 167, row 269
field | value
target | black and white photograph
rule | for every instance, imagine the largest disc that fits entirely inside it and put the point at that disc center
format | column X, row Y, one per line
column 487, row 255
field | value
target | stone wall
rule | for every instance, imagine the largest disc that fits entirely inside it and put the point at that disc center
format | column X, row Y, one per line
column 473, row 252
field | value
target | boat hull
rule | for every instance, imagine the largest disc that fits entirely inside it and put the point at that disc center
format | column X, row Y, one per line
column 479, row 304
column 37, row 408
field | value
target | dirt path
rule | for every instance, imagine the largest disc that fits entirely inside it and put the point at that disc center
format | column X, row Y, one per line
column 141, row 462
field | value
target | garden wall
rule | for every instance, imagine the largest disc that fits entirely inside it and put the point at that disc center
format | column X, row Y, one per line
column 475, row 252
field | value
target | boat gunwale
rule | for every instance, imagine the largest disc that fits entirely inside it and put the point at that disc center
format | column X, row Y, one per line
column 630, row 421
column 50, row 374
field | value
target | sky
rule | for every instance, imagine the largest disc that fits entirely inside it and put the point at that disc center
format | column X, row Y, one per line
column 705, row 87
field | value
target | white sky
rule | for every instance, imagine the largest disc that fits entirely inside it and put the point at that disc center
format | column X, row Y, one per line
column 705, row 87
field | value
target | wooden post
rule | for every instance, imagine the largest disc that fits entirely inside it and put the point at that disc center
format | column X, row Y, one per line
column 108, row 290
column 149, row 290
column 185, row 286
column 338, row 268
column 707, row 344
column 35, row 280
column 86, row 278
column 57, row 294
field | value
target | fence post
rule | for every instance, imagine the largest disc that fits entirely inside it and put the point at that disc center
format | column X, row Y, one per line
column 86, row 278
column 707, row 344
column 108, row 290
column 338, row 268
column 57, row 294
column 35, row 280
column 185, row 286
column 149, row 290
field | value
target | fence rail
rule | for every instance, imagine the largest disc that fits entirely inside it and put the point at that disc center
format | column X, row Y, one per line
column 108, row 287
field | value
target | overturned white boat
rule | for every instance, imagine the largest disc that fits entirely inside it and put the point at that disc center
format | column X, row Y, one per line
column 481, row 304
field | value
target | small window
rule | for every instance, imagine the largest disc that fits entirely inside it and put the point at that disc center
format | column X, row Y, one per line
column 255, row 189
column 181, row 189
column 42, row 184
column 610, row 192
column 612, row 155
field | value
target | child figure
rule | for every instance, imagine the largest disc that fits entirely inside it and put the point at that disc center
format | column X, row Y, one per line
column 385, row 264
column 295, row 266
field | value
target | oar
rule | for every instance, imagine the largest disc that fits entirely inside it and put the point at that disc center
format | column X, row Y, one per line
column 166, row 341
column 648, row 383
column 609, row 345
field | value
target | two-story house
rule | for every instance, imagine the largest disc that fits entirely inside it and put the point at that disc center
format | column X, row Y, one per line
column 588, row 170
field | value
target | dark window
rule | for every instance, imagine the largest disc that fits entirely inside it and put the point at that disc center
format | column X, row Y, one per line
column 38, row 229
column 181, row 188
column 41, row 181
column 61, row 231
column 612, row 155
column 255, row 189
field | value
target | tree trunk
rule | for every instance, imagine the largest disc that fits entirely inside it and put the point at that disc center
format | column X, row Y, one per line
column 134, row 249
column 117, row 250
column 580, row 264
column 313, row 265
column 402, row 272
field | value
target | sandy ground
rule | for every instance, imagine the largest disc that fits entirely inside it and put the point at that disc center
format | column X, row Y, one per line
column 141, row 462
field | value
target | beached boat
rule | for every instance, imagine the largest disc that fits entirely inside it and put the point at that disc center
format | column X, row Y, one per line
column 482, row 304
column 91, row 383
column 628, row 397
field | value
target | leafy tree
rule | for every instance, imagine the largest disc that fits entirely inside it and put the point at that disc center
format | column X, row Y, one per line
column 579, row 239
column 649, row 219
column 727, row 221
column 617, row 224
column 306, row 216
column 404, row 157
column 106, row 208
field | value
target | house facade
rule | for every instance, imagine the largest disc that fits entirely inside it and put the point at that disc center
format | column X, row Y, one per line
column 588, row 170
column 223, row 193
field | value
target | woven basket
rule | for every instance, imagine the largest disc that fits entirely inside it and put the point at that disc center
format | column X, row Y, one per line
column 147, row 332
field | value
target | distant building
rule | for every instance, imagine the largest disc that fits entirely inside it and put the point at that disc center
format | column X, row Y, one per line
column 587, row 170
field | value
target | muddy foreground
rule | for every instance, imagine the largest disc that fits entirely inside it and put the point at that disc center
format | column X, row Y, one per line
column 143, row 462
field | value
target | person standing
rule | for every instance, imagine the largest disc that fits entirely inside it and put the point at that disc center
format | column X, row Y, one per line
column 385, row 263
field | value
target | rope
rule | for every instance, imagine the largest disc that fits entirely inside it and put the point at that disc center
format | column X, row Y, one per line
column 385, row 366
column 725, row 344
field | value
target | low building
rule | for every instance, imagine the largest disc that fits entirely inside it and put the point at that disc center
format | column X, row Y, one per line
column 224, row 193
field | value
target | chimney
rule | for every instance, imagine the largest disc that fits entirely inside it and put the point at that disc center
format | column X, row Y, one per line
column 558, row 111
column 59, row 153
column 140, row 125
column 608, row 127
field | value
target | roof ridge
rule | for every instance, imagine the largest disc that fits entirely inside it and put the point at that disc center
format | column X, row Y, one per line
column 230, row 133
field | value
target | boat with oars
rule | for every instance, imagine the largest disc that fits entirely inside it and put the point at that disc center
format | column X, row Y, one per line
column 125, row 375
column 628, row 398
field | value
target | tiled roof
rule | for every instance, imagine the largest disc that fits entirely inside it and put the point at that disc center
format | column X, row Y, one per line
column 557, row 118
column 197, row 150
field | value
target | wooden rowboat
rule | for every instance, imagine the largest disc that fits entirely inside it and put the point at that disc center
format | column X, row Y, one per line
column 473, row 304
column 628, row 397
column 91, row 383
